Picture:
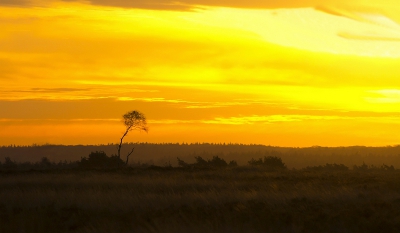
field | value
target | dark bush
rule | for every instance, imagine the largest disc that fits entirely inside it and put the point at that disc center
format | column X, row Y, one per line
column 100, row 160
column 9, row 164
column 233, row 163
column 182, row 163
column 387, row 168
column 365, row 167
column 200, row 162
column 45, row 163
column 215, row 162
column 269, row 162
column 257, row 162
column 328, row 167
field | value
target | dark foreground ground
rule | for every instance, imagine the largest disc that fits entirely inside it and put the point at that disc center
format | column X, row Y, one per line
column 241, row 199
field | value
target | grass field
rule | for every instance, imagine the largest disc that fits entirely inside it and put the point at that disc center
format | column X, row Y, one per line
column 241, row 199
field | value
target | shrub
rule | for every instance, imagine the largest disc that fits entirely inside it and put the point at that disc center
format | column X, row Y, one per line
column 269, row 162
column 99, row 159
column 215, row 162
column 257, row 162
column 365, row 167
column 182, row 163
column 200, row 162
column 9, row 164
column 232, row 163
column 328, row 167
column 45, row 163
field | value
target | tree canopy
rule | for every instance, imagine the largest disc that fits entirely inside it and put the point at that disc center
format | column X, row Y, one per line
column 135, row 120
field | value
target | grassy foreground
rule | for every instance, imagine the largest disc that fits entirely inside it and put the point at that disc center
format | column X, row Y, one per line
column 242, row 199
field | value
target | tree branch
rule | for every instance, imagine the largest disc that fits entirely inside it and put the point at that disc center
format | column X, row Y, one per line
column 127, row 157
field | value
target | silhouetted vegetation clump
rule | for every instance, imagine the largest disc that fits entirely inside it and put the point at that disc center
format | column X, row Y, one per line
column 43, row 164
column 215, row 162
column 268, row 162
column 100, row 160
column 365, row 167
column 9, row 164
column 328, row 167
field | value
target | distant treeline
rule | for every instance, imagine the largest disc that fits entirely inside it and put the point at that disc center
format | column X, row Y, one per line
column 167, row 153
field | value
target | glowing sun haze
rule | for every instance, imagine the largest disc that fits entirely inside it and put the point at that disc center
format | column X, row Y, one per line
column 291, row 73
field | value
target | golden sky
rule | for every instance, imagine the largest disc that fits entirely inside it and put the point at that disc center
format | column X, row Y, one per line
column 283, row 73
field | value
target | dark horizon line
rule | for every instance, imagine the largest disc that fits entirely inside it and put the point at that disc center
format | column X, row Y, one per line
column 191, row 143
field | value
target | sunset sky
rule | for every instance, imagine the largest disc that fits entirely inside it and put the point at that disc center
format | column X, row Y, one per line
column 283, row 73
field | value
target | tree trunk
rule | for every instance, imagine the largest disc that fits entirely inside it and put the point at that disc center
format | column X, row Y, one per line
column 120, row 144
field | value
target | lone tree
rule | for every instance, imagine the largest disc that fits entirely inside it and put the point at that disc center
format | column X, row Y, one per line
column 133, row 120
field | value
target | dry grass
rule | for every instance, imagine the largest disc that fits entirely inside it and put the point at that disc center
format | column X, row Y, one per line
column 232, row 200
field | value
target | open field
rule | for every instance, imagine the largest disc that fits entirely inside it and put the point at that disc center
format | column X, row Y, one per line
column 240, row 199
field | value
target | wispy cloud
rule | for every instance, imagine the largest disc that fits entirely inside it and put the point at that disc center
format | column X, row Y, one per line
column 50, row 90
column 155, row 99
column 69, row 93
column 387, row 29
column 172, row 121
column 15, row 2
column 368, row 36
column 234, row 103
column 372, row 16
column 389, row 96
column 188, row 104
column 268, row 119
column 145, row 4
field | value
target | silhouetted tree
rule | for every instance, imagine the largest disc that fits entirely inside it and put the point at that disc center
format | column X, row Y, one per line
column 133, row 120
